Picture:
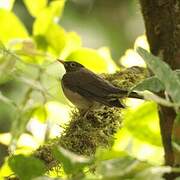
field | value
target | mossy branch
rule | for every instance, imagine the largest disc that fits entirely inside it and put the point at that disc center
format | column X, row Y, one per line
column 84, row 134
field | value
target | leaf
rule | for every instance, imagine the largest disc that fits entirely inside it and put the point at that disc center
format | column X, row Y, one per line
column 20, row 122
column 35, row 7
column 26, row 167
column 7, row 100
column 90, row 58
column 119, row 168
column 47, row 17
column 7, row 4
column 40, row 113
column 6, row 32
column 72, row 163
column 56, row 38
column 7, row 68
column 164, row 74
column 152, row 84
column 142, row 123
column 73, row 42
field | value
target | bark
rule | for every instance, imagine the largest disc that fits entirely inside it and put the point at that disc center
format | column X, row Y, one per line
column 162, row 23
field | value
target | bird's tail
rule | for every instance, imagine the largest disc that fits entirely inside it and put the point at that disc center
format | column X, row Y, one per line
column 134, row 95
column 126, row 94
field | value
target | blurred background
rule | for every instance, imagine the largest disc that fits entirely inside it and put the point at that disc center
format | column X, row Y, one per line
column 114, row 23
column 101, row 34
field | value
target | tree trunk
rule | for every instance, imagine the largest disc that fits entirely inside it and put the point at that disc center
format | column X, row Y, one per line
column 162, row 22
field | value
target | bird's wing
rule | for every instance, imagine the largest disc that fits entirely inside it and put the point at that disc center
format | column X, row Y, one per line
column 91, row 86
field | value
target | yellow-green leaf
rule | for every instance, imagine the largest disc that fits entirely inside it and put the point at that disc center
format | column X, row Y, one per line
column 11, row 27
column 91, row 58
column 48, row 16
column 73, row 42
column 35, row 7
column 56, row 37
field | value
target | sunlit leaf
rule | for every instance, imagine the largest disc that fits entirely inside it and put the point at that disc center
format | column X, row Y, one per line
column 73, row 42
column 5, row 170
column 131, row 58
column 71, row 162
column 7, row 4
column 48, row 16
column 35, row 7
column 25, row 167
column 106, row 54
column 143, row 123
column 40, row 113
column 90, row 58
column 141, row 41
column 164, row 74
column 56, row 38
column 6, row 32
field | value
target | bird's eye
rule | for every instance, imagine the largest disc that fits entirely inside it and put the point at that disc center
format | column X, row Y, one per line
column 73, row 64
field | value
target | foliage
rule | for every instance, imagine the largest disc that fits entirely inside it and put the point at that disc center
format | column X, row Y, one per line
column 33, row 104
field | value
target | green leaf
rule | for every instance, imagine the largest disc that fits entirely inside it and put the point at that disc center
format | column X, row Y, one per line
column 152, row 84
column 20, row 122
column 6, row 4
column 71, row 162
column 25, row 167
column 73, row 42
column 164, row 73
column 35, row 7
column 119, row 168
column 7, row 68
column 90, row 58
column 56, row 38
column 142, row 123
column 40, row 114
column 47, row 17
column 6, row 32
column 7, row 100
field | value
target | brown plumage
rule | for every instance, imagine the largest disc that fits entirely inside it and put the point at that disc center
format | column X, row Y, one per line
column 86, row 89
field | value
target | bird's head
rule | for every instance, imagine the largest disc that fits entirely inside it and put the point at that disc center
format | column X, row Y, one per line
column 71, row 66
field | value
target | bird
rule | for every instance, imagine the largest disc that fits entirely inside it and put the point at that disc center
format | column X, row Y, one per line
column 87, row 90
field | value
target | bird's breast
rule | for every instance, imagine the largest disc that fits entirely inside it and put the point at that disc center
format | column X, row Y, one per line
column 79, row 101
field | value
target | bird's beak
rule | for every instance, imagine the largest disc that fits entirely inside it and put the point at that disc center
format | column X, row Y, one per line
column 61, row 61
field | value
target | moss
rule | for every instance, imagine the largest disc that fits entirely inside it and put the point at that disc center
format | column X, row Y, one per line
column 84, row 134
column 127, row 78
